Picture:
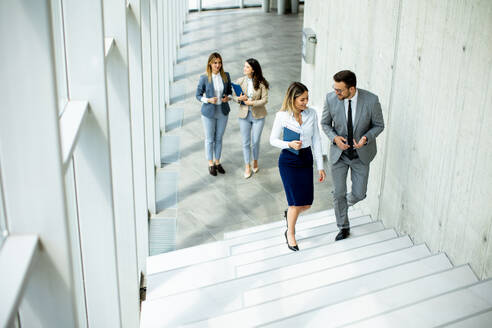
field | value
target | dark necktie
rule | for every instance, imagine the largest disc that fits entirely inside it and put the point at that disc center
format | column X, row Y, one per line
column 350, row 128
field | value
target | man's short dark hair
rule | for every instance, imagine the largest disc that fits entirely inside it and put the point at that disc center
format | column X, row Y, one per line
column 347, row 77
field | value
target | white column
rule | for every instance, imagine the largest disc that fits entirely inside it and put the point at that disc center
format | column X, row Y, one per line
column 30, row 160
column 138, row 131
column 174, row 30
column 156, row 105
column 165, row 57
column 148, row 105
column 169, row 36
column 281, row 7
column 162, row 77
column 294, row 5
column 118, row 99
column 241, row 3
column 92, row 166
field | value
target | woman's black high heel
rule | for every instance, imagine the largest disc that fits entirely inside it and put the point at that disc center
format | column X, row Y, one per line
column 292, row 248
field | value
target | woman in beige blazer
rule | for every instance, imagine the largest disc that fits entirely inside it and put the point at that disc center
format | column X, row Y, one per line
column 252, row 112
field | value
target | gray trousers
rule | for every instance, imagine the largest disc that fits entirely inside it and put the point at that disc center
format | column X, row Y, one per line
column 359, row 172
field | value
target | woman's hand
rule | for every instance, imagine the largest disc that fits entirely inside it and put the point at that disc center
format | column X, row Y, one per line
column 249, row 102
column 212, row 100
column 225, row 99
column 242, row 97
column 322, row 175
column 295, row 144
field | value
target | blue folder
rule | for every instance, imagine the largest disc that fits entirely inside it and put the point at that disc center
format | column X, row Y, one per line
column 290, row 135
column 237, row 91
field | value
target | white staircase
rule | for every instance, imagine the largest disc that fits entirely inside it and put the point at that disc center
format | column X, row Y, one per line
column 375, row 278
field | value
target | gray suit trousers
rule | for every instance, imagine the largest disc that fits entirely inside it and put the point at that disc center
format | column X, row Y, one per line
column 359, row 173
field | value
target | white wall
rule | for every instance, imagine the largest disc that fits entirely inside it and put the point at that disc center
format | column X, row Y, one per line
column 430, row 63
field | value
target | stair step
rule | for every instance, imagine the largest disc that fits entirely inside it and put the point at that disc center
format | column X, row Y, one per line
column 480, row 320
column 224, row 297
column 341, row 247
column 325, row 277
column 199, row 275
column 353, row 212
column 349, row 310
column 221, row 249
column 279, row 238
column 437, row 310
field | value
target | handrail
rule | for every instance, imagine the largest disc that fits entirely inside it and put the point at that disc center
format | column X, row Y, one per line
column 16, row 262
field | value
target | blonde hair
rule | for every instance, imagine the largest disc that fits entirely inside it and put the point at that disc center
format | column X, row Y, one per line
column 213, row 56
column 293, row 91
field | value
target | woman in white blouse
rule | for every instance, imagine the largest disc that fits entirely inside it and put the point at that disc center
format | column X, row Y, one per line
column 296, row 159
column 214, row 91
column 252, row 112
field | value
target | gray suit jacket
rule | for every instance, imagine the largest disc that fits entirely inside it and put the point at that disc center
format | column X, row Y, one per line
column 368, row 122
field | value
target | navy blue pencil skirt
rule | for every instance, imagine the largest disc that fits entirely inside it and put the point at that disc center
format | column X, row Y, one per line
column 296, row 172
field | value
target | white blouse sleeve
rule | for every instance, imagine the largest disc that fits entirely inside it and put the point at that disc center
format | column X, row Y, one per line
column 277, row 131
column 317, row 143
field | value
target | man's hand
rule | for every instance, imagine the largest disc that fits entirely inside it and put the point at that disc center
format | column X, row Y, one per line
column 212, row 100
column 361, row 143
column 225, row 99
column 295, row 144
column 341, row 142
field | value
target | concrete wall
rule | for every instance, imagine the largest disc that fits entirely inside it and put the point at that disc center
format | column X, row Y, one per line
column 430, row 63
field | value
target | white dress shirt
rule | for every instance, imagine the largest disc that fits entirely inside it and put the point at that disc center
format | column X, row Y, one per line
column 353, row 105
column 309, row 132
column 218, row 88
column 250, row 90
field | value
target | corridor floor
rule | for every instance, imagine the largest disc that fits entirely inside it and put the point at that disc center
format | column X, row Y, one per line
column 209, row 206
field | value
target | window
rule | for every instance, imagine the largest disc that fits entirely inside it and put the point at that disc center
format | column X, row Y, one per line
column 60, row 62
column 3, row 219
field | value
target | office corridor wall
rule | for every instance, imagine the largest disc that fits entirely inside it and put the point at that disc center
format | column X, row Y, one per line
column 430, row 63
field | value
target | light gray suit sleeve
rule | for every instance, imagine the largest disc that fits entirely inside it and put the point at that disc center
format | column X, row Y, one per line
column 327, row 120
column 377, row 122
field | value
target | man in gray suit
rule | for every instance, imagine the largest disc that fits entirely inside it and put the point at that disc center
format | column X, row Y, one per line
column 352, row 119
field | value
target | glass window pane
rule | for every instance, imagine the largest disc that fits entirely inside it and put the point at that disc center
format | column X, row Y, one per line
column 193, row 4
column 59, row 44
column 252, row 2
column 3, row 220
column 208, row 4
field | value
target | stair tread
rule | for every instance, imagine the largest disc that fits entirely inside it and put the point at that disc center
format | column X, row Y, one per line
column 353, row 212
column 219, row 249
column 351, row 309
column 480, row 320
column 225, row 297
column 437, row 310
column 325, row 277
column 199, row 275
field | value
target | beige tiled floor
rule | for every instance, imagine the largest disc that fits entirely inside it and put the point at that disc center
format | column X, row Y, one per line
column 209, row 206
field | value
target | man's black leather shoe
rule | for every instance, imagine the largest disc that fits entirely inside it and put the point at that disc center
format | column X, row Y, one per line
column 220, row 168
column 212, row 170
column 344, row 233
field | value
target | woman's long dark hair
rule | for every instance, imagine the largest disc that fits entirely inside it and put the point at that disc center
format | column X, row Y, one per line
column 257, row 74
